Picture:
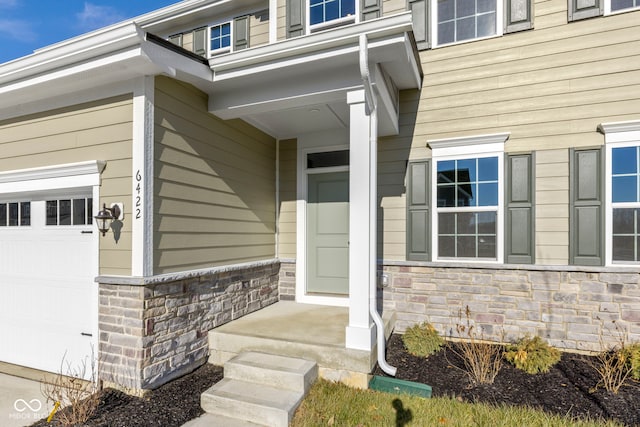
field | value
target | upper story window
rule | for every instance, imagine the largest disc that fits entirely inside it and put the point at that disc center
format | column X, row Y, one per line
column 215, row 39
column 460, row 20
column 220, row 37
column 15, row 214
column 324, row 11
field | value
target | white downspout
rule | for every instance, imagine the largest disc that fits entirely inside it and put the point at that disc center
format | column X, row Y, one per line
column 373, row 205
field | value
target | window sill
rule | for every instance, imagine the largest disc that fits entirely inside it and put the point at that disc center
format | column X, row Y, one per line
column 351, row 19
column 621, row 11
column 498, row 266
column 466, row 41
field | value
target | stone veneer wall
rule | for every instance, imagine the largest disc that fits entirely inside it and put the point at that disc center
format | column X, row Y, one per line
column 153, row 330
column 574, row 308
column 287, row 287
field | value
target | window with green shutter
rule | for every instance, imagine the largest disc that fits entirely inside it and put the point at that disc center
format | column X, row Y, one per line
column 586, row 207
column 519, row 210
column 463, row 20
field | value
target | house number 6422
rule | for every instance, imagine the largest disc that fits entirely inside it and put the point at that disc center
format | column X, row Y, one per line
column 138, row 206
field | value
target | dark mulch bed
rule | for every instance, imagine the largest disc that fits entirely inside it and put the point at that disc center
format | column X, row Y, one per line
column 567, row 389
column 168, row 406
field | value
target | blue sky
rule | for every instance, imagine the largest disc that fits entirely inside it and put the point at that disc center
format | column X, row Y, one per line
column 26, row 25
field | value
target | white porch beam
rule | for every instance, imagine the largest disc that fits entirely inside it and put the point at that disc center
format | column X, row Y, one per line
column 360, row 333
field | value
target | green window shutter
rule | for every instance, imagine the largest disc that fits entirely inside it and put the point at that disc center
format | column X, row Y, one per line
column 586, row 208
column 371, row 9
column 295, row 18
column 418, row 212
column 518, row 15
column 200, row 41
column 176, row 39
column 420, row 15
column 241, row 33
column 583, row 9
column 519, row 230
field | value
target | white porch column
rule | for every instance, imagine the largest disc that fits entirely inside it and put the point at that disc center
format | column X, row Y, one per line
column 141, row 207
column 360, row 331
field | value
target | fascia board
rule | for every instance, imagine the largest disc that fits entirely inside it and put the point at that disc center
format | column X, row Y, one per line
column 84, row 67
column 317, row 42
column 60, row 56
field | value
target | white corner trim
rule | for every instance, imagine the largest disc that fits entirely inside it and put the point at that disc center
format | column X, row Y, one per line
column 91, row 167
column 617, row 127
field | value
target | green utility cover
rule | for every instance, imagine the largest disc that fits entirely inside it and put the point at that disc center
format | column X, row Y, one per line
column 394, row 385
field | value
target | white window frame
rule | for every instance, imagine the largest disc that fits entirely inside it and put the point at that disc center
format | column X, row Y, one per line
column 214, row 52
column 481, row 146
column 433, row 25
column 608, row 11
column 333, row 23
column 617, row 135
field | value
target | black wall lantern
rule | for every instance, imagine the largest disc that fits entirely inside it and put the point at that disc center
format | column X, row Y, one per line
column 107, row 215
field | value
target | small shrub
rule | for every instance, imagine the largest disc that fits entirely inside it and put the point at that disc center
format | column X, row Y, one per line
column 77, row 398
column 614, row 364
column 532, row 355
column 632, row 357
column 422, row 340
column 482, row 361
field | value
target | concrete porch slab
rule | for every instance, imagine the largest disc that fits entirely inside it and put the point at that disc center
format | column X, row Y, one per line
column 307, row 331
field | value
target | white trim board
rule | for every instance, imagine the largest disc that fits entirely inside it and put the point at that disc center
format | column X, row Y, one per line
column 71, row 175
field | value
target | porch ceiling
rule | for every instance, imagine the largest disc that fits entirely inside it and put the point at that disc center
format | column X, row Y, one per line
column 300, row 85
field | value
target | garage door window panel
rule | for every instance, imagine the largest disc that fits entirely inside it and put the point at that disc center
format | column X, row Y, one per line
column 15, row 214
column 69, row 212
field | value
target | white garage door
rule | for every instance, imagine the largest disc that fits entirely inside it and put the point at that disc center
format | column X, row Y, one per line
column 47, row 289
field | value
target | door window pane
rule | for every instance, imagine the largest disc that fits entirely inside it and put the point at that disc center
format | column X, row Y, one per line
column 3, row 214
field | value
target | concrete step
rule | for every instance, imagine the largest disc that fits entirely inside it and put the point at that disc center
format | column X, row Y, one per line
column 210, row 420
column 248, row 401
column 282, row 372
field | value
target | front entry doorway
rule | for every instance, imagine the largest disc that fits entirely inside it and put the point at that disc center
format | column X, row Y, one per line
column 328, row 233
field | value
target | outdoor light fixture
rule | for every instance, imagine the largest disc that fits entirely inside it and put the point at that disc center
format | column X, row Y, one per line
column 107, row 215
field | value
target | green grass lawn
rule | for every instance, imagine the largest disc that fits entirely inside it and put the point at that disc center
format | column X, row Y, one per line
column 333, row 404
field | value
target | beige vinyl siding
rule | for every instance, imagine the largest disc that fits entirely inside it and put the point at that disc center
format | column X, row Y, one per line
column 393, row 7
column 288, row 199
column 259, row 28
column 549, row 88
column 187, row 41
column 100, row 130
column 282, row 20
column 215, row 185
column 552, row 207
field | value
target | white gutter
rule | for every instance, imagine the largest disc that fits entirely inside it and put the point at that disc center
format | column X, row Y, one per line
column 373, row 208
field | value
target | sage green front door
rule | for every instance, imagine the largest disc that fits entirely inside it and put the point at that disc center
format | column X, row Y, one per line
column 328, row 233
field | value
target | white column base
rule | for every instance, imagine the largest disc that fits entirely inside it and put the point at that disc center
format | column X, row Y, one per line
column 359, row 338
